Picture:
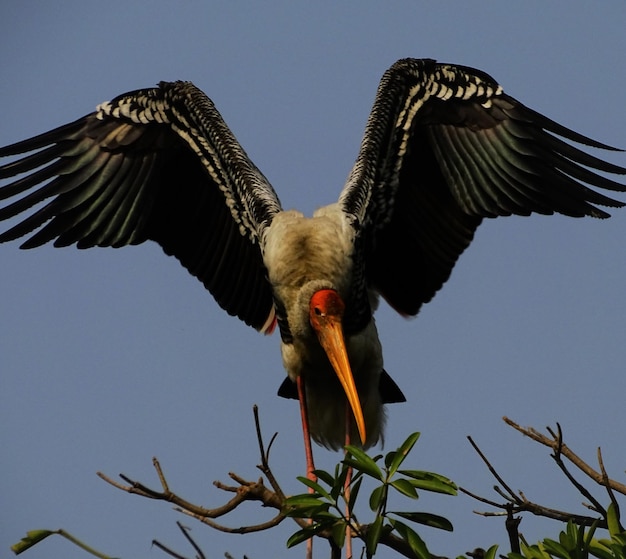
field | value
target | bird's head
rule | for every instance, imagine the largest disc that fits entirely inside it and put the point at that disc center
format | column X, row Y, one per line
column 326, row 310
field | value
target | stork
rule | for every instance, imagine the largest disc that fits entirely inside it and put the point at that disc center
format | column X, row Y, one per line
column 444, row 147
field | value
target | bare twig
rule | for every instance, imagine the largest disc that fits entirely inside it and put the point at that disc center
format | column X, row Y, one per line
column 245, row 491
column 265, row 455
column 596, row 506
column 607, row 484
column 516, row 502
column 185, row 530
column 167, row 550
column 571, row 456
column 492, row 470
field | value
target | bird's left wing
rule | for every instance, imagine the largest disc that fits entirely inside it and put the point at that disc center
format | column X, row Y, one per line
column 154, row 164
column 445, row 147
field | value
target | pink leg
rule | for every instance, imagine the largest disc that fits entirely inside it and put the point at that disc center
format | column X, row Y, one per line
column 346, row 486
column 308, row 451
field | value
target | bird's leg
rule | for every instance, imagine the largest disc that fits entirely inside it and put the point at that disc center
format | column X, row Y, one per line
column 346, row 485
column 308, row 451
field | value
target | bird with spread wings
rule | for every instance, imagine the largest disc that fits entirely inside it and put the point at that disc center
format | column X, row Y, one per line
column 444, row 147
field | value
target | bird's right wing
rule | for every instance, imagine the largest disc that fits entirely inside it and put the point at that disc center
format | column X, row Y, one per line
column 445, row 147
column 155, row 164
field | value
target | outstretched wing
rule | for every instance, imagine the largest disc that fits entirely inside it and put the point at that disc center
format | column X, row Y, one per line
column 445, row 147
column 154, row 164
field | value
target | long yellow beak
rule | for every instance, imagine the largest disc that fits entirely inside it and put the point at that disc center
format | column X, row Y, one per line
column 332, row 340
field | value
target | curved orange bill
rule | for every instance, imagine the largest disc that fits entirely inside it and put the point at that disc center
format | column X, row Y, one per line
column 332, row 340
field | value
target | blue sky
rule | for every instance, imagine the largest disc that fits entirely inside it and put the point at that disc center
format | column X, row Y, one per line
column 110, row 357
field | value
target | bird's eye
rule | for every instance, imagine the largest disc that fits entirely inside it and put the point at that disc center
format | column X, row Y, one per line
column 318, row 311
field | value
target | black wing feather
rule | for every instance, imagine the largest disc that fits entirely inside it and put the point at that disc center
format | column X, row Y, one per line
column 156, row 164
column 445, row 147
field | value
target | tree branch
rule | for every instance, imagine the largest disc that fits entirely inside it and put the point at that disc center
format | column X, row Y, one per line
column 516, row 502
column 245, row 491
column 563, row 449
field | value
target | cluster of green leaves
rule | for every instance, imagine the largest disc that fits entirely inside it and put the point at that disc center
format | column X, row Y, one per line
column 330, row 503
column 575, row 542
column 578, row 542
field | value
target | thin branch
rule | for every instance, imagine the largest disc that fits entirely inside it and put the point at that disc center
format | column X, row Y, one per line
column 245, row 491
column 239, row 530
column 556, row 455
column 484, row 500
column 167, row 550
column 518, row 503
column 491, row 468
column 265, row 455
column 607, row 484
column 185, row 530
column 571, row 456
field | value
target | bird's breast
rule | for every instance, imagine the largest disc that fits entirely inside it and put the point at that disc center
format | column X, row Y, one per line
column 303, row 255
column 299, row 249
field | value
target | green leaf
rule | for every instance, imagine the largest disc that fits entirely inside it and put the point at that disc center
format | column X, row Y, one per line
column 555, row 548
column 314, row 485
column 305, row 506
column 325, row 476
column 526, row 550
column 299, row 537
column 378, row 497
column 389, row 457
column 405, row 487
column 338, row 533
column 574, row 538
column 303, row 500
column 422, row 474
column 491, row 552
column 305, row 534
column 410, row 536
column 401, row 453
column 324, row 516
column 612, row 520
column 589, row 534
column 429, row 481
column 32, row 538
column 339, row 483
column 598, row 550
column 373, row 536
column 427, row 519
column 533, row 551
column 362, row 462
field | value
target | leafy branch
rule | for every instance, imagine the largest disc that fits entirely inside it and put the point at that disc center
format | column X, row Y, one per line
column 328, row 510
column 326, row 504
column 576, row 541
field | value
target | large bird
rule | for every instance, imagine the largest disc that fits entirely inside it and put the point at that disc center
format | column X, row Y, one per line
column 444, row 147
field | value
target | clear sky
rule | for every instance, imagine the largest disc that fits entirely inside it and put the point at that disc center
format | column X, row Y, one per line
column 108, row 358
